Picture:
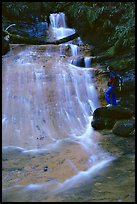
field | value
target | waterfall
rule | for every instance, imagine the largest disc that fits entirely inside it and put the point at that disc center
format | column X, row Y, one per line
column 60, row 30
column 80, row 100
column 48, row 106
column 58, row 26
column 57, row 20
column 79, row 41
column 87, row 62
column 74, row 49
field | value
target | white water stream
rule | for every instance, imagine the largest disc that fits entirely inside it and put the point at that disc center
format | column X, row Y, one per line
column 48, row 105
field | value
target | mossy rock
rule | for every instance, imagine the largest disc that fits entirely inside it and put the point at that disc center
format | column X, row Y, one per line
column 113, row 112
column 5, row 46
column 101, row 123
column 124, row 128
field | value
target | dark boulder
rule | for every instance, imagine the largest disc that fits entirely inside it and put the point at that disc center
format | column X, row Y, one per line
column 113, row 112
column 106, row 117
column 5, row 46
column 102, row 123
column 124, row 128
column 79, row 61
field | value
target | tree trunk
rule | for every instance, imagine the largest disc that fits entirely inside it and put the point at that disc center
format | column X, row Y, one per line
column 63, row 40
column 37, row 41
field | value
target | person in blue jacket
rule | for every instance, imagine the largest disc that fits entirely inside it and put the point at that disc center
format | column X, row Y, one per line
column 110, row 94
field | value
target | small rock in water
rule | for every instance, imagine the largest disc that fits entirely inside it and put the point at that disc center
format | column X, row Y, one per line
column 41, row 137
column 44, row 121
column 120, row 200
column 37, row 127
column 46, row 168
column 62, row 56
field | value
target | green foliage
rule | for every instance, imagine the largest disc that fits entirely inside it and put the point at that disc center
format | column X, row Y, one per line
column 15, row 8
column 92, row 15
column 125, row 29
column 103, row 19
column 108, row 23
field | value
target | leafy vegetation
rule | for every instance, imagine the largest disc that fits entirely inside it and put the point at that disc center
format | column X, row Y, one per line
column 108, row 26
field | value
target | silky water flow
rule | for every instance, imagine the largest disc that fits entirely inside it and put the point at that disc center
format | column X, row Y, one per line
column 47, row 109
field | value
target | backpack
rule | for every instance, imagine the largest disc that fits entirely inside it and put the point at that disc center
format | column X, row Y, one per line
column 118, row 81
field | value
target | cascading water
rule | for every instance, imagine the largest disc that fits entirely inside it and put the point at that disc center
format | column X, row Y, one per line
column 47, row 110
column 87, row 61
column 60, row 30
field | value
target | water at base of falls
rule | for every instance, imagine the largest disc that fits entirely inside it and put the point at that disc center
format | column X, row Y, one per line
column 47, row 112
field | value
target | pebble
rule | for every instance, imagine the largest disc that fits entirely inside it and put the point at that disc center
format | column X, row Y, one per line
column 46, row 168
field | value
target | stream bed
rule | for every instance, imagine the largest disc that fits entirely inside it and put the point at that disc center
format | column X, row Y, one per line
column 50, row 151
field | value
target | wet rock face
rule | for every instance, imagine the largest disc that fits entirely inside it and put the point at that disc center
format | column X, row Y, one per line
column 79, row 61
column 112, row 113
column 107, row 117
column 37, row 29
column 128, row 101
column 5, row 46
column 103, row 123
column 83, row 61
column 124, row 127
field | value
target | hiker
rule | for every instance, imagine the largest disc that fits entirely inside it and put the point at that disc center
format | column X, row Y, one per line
column 110, row 94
